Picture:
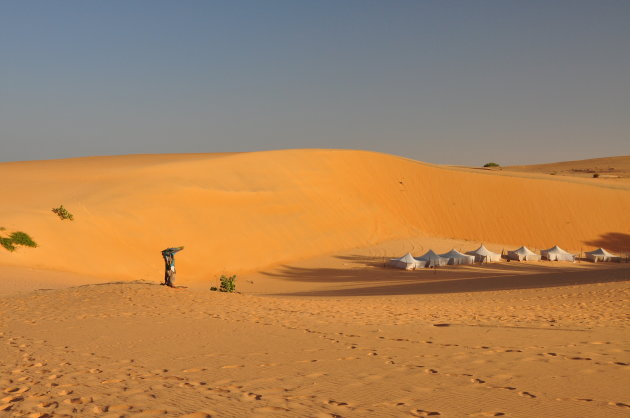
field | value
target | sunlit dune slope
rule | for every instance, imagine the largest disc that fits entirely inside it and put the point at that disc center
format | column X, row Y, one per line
column 245, row 211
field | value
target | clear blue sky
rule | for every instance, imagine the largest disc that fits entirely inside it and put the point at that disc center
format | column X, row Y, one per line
column 460, row 82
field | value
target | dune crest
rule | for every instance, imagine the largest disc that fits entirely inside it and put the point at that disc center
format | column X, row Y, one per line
column 247, row 211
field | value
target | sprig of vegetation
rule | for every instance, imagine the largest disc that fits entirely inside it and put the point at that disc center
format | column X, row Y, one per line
column 491, row 165
column 228, row 284
column 63, row 213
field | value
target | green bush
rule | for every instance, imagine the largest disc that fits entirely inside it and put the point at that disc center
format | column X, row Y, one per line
column 17, row 238
column 491, row 165
column 7, row 243
column 63, row 213
column 228, row 284
column 22, row 238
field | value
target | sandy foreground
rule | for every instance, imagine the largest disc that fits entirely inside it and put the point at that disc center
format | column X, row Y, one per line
column 423, row 343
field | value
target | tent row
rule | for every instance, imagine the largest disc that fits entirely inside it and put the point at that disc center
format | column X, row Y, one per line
column 432, row 259
column 483, row 255
column 556, row 253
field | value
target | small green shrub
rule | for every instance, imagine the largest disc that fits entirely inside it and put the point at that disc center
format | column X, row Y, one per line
column 22, row 238
column 491, row 165
column 596, row 175
column 17, row 238
column 7, row 243
column 228, row 284
column 63, row 213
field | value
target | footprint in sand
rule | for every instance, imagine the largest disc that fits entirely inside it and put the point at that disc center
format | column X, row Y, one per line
column 112, row 381
column 423, row 413
column 151, row 413
column 252, row 396
column 195, row 370
column 48, row 404
column 17, row 390
column 487, row 414
column 315, row 375
column 269, row 409
column 77, row 401
column 11, row 399
column 333, row 402
column 6, row 406
column 527, row 394
column 119, row 408
column 430, row 371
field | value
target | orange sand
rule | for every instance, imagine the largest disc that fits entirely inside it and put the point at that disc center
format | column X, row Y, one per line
column 321, row 328
column 245, row 212
column 609, row 168
column 139, row 349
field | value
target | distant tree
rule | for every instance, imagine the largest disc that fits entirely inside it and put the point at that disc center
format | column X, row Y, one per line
column 596, row 175
column 491, row 165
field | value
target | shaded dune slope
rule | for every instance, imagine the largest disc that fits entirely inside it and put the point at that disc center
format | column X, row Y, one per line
column 246, row 211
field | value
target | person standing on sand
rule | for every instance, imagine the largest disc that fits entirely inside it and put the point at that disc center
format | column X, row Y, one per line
column 169, row 265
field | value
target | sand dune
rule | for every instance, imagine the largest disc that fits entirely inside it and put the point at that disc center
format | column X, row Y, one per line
column 321, row 329
column 249, row 211
column 617, row 168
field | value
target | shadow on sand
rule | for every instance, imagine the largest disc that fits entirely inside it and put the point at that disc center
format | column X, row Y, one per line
column 616, row 242
column 370, row 278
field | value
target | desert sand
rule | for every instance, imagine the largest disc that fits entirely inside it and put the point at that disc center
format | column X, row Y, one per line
column 609, row 168
column 250, row 211
column 320, row 327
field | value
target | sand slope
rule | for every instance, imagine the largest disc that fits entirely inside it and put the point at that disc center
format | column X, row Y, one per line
column 607, row 168
column 247, row 211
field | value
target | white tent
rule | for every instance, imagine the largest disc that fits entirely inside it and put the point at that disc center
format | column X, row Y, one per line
column 601, row 255
column 432, row 259
column 523, row 254
column 455, row 257
column 406, row 262
column 482, row 254
column 556, row 253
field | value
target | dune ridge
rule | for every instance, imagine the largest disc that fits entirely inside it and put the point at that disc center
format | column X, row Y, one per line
column 248, row 211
